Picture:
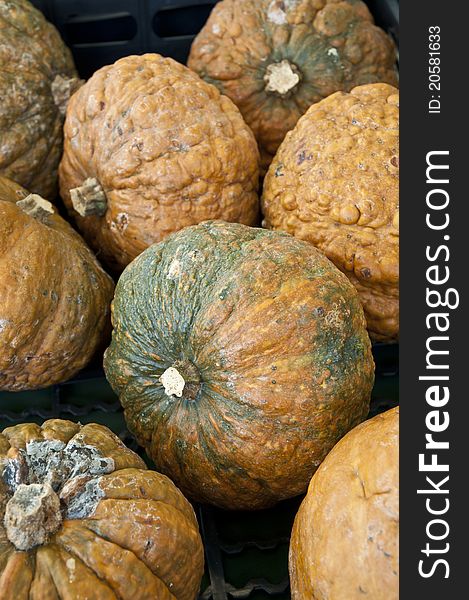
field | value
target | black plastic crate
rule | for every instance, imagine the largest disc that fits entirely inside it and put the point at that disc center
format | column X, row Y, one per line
column 101, row 31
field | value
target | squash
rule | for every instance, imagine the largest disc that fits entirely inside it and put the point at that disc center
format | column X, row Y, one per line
column 240, row 357
column 55, row 297
column 335, row 183
column 275, row 58
column 344, row 543
column 37, row 76
column 82, row 517
column 151, row 148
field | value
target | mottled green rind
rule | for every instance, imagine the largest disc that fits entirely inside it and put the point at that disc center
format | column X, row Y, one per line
column 333, row 45
column 278, row 336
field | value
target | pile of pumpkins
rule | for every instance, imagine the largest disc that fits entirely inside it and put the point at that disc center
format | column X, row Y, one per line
column 241, row 326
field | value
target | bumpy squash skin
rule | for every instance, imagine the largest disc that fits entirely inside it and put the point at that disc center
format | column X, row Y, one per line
column 335, row 183
column 138, row 538
column 168, row 150
column 270, row 339
column 344, row 543
column 36, row 76
column 54, row 297
column 331, row 45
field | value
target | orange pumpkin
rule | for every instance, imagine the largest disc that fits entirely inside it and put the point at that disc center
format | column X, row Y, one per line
column 54, row 295
column 150, row 148
column 334, row 182
column 82, row 517
column 344, row 544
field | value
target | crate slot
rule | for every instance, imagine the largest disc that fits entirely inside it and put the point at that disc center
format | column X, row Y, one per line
column 99, row 29
column 181, row 20
column 257, row 585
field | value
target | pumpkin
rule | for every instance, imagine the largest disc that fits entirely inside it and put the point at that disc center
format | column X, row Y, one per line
column 240, row 357
column 55, row 297
column 275, row 58
column 37, row 76
column 150, row 148
column 344, row 544
column 335, row 183
column 82, row 517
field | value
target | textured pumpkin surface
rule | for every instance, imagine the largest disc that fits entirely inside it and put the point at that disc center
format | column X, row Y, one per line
column 344, row 544
column 335, row 183
column 165, row 147
column 240, row 357
column 275, row 58
column 55, row 297
column 120, row 532
column 37, row 76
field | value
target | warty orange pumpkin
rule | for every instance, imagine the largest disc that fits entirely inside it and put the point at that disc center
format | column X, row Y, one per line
column 83, row 518
column 335, row 183
column 150, row 148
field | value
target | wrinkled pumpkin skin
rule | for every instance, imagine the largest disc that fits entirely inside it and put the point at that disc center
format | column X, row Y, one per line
column 37, row 75
column 135, row 538
column 55, row 297
column 327, row 46
column 344, row 543
column 335, row 183
column 270, row 340
column 167, row 149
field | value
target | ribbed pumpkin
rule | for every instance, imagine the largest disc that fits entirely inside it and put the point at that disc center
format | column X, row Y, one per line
column 344, row 544
column 275, row 58
column 151, row 148
column 55, row 297
column 37, row 76
column 82, row 518
column 335, row 183
column 240, row 357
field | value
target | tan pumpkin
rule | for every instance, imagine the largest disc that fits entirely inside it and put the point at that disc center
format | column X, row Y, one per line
column 275, row 58
column 54, row 296
column 334, row 182
column 344, row 544
column 150, row 148
column 37, row 77
column 83, row 518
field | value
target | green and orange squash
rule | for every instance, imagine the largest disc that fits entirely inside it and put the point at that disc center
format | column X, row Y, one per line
column 275, row 58
column 240, row 357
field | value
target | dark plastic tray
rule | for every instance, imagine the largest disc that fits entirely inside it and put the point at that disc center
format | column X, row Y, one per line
column 246, row 553
column 101, row 31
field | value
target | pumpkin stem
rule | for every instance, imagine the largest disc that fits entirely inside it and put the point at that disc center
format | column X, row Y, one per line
column 173, row 382
column 281, row 78
column 62, row 90
column 35, row 206
column 89, row 198
column 32, row 515
column 181, row 380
